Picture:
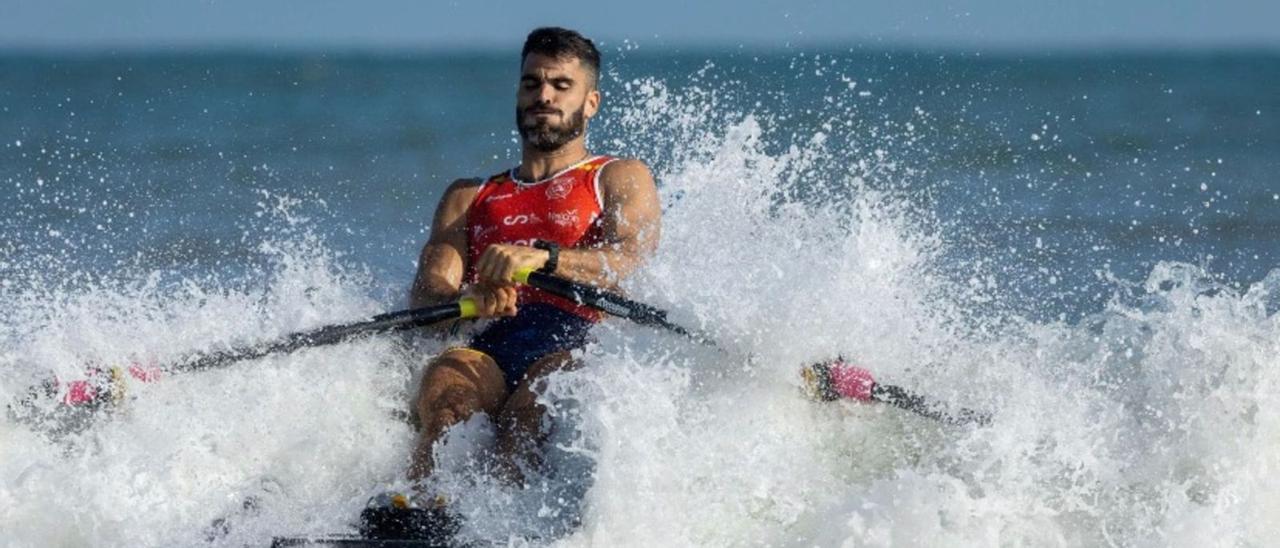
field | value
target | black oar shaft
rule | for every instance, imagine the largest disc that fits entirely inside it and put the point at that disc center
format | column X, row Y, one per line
column 333, row 334
column 903, row 399
column 613, row 304
column 72, row 417
column 644, row 314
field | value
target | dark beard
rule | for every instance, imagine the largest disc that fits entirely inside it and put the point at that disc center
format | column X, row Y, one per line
column 544, row 137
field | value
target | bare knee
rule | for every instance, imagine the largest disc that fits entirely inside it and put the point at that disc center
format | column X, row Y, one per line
column 457, row 385
column 450, row 408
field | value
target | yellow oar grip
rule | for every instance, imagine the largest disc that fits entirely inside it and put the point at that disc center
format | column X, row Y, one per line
column 468, row 307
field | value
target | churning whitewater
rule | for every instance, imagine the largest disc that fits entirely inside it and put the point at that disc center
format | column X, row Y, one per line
column 1147, row 423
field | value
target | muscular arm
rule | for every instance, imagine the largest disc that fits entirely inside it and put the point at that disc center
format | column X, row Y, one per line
column 443, row 259
column 632, row 223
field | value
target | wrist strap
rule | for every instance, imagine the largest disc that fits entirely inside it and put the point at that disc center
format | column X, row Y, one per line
column 553, row 255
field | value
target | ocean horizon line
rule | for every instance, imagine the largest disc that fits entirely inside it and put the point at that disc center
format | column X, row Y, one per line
column 629, row 49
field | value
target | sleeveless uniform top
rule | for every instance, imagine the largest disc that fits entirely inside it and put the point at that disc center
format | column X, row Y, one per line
column 564, row 208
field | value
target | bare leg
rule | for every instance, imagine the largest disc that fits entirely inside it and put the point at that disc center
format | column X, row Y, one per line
column 457, row 384
column 518, row 424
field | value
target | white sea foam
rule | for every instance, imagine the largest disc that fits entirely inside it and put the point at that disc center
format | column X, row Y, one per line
column 1149, row 423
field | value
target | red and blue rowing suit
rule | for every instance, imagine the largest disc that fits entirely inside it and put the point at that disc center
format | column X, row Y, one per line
column 564, row 208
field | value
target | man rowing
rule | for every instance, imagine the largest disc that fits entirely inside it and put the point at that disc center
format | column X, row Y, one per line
column 562, row 210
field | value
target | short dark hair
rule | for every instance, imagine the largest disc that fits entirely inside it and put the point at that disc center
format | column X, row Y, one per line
column 561, row 43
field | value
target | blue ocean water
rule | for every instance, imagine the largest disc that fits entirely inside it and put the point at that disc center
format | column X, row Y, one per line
column 1079, row 242
column 1057, row 167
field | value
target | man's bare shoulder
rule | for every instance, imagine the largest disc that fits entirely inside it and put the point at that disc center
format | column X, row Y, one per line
column 626, row 173
column 467, row 184
column 625, row 167
column 460, row 191
column 455, row 202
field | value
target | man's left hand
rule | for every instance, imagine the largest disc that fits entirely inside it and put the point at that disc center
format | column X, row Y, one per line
column 499, row 263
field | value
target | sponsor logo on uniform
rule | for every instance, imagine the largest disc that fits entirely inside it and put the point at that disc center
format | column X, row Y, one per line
column 520, row 219
column 559, row 189
column 565, row 218
column 496, row 197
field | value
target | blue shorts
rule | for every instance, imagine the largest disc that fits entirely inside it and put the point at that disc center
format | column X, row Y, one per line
column 535, row 332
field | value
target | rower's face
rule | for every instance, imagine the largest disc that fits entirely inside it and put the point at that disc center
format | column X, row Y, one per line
column 555, row 94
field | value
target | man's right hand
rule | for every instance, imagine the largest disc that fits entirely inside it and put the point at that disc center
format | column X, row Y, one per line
column 493, row 301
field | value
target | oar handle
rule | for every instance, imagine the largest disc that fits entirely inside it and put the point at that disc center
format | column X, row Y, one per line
column 522, row 275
